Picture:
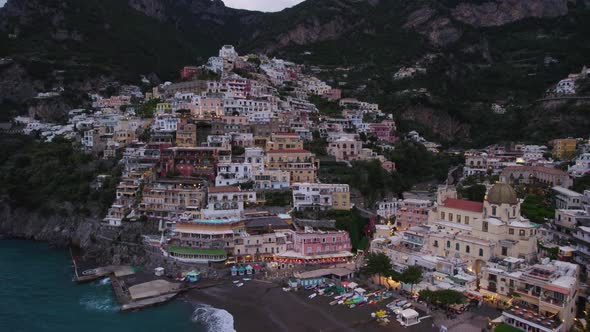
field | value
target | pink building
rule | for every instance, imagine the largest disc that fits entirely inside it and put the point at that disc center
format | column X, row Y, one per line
column 383, row 131
column 116, row 101
column 412, row 212
column 345, row 149
column 333, row 94
column 316, row 247
column 389, row 166
column 189, row 72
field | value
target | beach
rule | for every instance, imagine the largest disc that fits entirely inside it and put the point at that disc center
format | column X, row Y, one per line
column 263, row 306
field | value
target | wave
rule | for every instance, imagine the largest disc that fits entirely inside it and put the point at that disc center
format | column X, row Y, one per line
column 215, row 320
column 103, row 282
column 99, row 303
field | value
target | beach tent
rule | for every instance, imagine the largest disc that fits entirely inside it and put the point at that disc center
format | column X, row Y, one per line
column 256, row 268
column 234, row 271
column 352, row 285
column 360, row 291
column 159, row 271
column 193, row 276
column 409, row 317
column 241, row 270
column 248, row 269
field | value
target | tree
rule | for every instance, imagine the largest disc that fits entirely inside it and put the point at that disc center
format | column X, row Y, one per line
column 474, row 193
column 379, row 264
column 411, row 275
column 445, row 297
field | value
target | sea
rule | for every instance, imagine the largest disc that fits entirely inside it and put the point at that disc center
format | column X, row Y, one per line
column 38, row 293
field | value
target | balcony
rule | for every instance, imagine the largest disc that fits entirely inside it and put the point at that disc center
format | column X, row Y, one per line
column 552, row 301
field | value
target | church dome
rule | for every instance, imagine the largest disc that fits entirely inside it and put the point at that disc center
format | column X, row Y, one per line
column 502, row 193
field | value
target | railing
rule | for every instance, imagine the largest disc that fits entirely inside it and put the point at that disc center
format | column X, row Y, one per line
column 552, row 301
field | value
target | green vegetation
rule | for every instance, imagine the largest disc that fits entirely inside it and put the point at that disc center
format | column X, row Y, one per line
column 536, row 208
column 411, row 275
column 317, row 145
column 474, row 192
column 503, row 327
column 445, row 297
column 278, row 198
column 377, row 264
column 237, row 150
column 147, row 109
column 53, row 177
column 581, row 183
column 326, row 107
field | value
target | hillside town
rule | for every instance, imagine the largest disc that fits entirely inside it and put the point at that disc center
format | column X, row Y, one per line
column 221, row 170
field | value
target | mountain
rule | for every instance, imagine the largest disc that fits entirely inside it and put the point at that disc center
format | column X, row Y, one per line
column 475, row 52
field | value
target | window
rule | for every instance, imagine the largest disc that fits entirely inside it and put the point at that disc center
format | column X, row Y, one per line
column 466, row 220
column 442, row 216
column 511, row 231
column 522, row 232
column 448, row 244
column 504, row 251
column 514, row 211
column 494, row 210
column 480, row 252
column 484, row 226
column 467, row 249
column 459, row 218
column 450, row 217
column 435, row 243
column 457, row 246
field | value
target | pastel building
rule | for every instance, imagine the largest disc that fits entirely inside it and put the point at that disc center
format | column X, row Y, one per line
column 546, row 294
column 581, row 166
column 345, row 149
column 316, row 247
column 564, row 147
column 322, row 196
column 191, row 161
column 299, row 163
column 412, row 212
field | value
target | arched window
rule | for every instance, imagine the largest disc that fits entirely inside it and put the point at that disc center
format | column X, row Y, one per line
column 457, row 246
column 448, row 244
column 467, row 249
column 481, row 252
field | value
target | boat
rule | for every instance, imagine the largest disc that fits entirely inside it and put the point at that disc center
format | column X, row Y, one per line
column 286, row 289
column 381, row 313
column 240, row 284
column 334, row 302
column 407, row 305
column 246, row 279
column 236, row 281
column 312, row 295
column 352, row 306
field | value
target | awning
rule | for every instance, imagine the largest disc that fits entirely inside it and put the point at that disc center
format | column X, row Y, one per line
column 558, row 289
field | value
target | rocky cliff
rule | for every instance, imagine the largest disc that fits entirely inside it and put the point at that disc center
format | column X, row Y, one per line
column 501, row 12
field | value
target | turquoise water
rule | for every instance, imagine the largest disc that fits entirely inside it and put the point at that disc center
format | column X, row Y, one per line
column 37, row 294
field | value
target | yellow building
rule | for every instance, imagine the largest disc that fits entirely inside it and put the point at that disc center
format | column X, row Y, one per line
column 163, row 108
column 323, row 196
column 564, row 148
column 186, row 135
column 299, row 163
column 284, row 141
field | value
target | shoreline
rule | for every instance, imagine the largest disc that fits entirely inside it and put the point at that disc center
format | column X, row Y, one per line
column 264, row 306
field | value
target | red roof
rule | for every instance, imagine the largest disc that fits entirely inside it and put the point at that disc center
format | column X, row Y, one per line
column 224, row 189
column 289, row 151
column 461, row 204
column 540, row 169
column 286, row 134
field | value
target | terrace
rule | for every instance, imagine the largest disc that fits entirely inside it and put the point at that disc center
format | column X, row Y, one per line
column 528, row 320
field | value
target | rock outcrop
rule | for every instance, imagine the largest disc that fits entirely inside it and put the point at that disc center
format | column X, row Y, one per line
column 501, row 12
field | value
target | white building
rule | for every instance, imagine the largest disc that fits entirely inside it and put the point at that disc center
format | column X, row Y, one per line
column 388, row 208
column 566, row 86
column 229, row 174
column 581, row 167
column 322, row 196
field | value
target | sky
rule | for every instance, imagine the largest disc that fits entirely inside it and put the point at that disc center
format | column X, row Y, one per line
column 260, row 5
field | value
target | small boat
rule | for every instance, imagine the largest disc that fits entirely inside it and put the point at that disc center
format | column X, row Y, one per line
column 334, row 302
column 286, row 289
column 381, row 313
column 338, row 297
column 240, row 284
column 312, row 295
column 246, row 279
column 236, row 281
column 352, row 306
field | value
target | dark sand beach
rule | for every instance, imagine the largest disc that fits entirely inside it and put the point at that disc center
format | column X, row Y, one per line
column 263, row 306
